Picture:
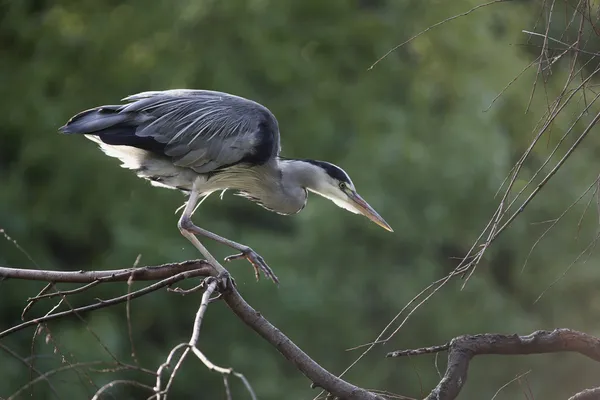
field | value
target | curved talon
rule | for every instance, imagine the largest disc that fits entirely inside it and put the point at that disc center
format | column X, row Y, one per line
column 258, row 263
column 235, row 257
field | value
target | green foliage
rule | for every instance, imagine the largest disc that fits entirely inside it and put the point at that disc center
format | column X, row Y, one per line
column 413, row 133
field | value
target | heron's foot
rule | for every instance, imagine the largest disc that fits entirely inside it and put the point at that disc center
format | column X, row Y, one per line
column 257, row 262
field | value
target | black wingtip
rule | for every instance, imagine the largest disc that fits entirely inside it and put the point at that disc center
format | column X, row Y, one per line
column 64, row 129
column 92, row 120
column 68, row 127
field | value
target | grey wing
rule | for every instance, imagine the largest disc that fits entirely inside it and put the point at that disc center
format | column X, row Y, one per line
column 198, row 129
column 206, row 130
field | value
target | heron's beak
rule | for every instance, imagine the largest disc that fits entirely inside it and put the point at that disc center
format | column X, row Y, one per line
column 368, row 211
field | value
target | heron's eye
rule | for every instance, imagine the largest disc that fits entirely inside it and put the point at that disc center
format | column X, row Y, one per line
column 342, row 185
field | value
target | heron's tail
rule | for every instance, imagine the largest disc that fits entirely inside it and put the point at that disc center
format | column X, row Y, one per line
column 113, row 126
column 97, row 120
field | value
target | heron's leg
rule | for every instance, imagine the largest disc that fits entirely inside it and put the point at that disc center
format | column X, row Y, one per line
column 188, row 229
column 189, row 208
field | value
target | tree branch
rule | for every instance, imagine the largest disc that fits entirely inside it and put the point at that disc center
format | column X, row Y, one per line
column 313, row 371
column 463, row 348
column 206, row 271
column 588, row 394
column 150, row 273
column 169, row 274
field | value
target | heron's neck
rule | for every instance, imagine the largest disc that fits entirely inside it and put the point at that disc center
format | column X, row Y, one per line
column 288, row 194
column 299, row 174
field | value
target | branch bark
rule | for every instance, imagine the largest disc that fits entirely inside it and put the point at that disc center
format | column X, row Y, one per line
column 463, row 348
column 588, row 394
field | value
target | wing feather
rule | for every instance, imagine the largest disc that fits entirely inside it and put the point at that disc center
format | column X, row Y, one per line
column 199, row 129
column 206, row 130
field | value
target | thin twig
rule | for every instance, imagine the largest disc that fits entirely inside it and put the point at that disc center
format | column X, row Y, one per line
column 30, row 303
column 60, row 293
column 435, row 26
column 550, row 174
column 555, row 221
column 589, row 248
column 67, row 357
column 224, row 371
column 516, row 378
column 44, row 377
column 166, row 365
column 174, row 373
column 31, row 368
column 569, row 46
column 507, row 86
column 120, row 382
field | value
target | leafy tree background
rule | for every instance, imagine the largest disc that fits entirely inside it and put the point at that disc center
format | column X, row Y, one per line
column 412, row 133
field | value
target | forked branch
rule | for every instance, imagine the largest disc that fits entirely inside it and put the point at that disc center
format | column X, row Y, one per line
column 463, row 348
column 161, row 394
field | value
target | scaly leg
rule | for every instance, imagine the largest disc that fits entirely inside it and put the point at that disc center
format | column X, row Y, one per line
column 189, row 230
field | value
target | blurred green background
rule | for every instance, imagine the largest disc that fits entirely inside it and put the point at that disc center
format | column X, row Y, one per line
column 412, row 133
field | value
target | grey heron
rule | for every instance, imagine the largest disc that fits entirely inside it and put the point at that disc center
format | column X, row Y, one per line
column 201, row 142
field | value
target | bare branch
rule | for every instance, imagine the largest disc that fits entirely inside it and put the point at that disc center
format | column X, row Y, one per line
column 588, row 394
column 313, row 371
column 171, row 273
column 420, row 351
column 224, row 371
column 119, row 382
column 57, row 293
column 463, row 348
column 150, row 273
column 166, row 365
column 435, row 26
column 30, row 303
column 203, row 271
column 211, row 285
column 569, row 46
column 227, row 389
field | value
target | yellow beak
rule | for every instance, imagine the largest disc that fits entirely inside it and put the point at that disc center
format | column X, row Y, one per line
column 368, row 211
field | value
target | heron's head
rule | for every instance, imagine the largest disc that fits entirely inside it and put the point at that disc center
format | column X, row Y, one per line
column 333, row 183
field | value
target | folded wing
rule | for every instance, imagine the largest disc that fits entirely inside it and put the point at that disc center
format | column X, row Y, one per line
column 198, row 129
